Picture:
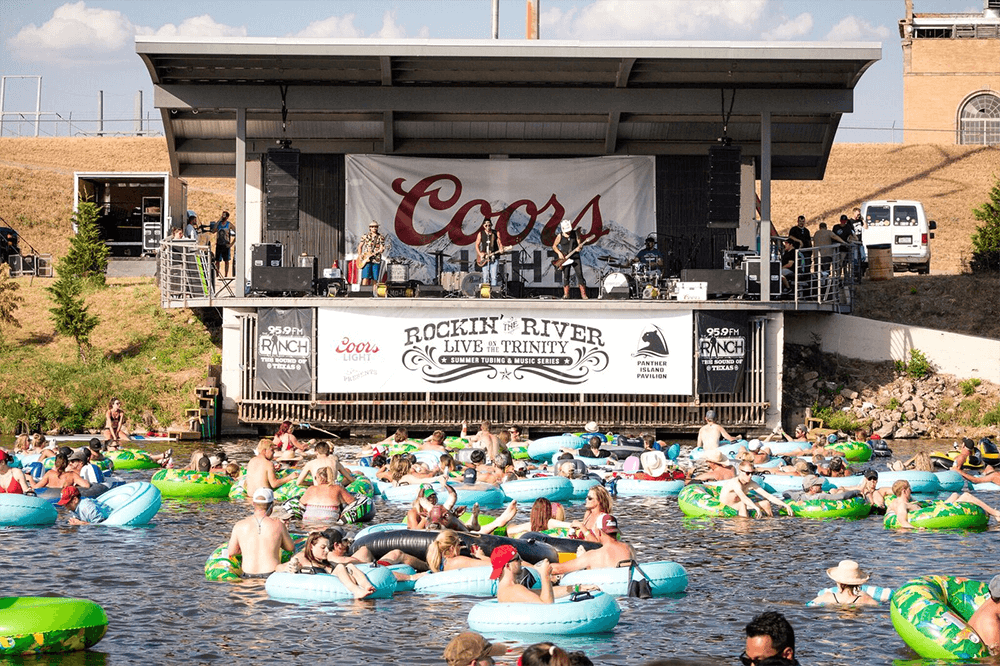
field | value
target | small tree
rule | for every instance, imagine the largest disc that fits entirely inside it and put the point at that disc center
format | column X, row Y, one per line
column 70, row 314
column 9, row 298
column 88, row 254
column 986, row 237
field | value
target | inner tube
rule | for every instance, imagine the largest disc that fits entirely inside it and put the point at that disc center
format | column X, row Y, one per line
column 131, row 504
column 36, row 625
column 565, row 547
column 285, row 586
column 941, row 515
column 553, row 488
column 239, row 490
column 220, row 567
column 950, row 481
column 852, row 507
column 645, row 488
column 920, row 482
column 131, row 459
column 361, row 510
column 857, row 452
column 187, row 483
column 931, row 615
column 415, row 542
column 587, row 613
column 17, row 510
column 582, row 486
column 380, row 527
column 879, row 594
column 543, row 448
column 470, row 582
column 664, row 578
column 700, row 500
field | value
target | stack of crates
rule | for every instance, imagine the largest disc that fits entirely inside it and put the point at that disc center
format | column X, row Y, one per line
column 205, row 418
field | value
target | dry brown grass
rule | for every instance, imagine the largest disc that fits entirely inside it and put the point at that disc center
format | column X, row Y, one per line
column 949, row 180
column 36, row 182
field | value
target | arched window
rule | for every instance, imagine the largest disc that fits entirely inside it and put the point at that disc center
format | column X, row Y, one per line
column 979, row 120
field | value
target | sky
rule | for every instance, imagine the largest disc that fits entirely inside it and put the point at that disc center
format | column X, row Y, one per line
column 81, row 48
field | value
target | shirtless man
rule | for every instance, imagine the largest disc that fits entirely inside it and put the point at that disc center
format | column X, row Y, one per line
column 484, row 438
column 990, row 475
column 719, row 467
column 260, row 538
column 324, row 459
column 735, row 493
column 260, row 469
column 435, row 442
column 711, row 433
column 986, row 619
column 611, row 552
column 507, row 567
column 967, row 449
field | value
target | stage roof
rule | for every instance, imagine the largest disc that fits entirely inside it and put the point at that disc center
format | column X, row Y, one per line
column 477, row 98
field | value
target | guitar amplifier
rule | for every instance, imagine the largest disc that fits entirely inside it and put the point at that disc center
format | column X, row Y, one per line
column 266, row 254
column 719, row 281
column 752, row 267
column 281, row 279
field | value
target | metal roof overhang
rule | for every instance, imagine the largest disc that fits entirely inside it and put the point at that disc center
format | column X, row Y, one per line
column 478, row 98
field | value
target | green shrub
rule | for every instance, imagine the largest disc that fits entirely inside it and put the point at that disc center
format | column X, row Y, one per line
column 838, row 419
column 991, row 417
column 986, row 237
column 968, row 386
column 918, row 366
column 894, row 404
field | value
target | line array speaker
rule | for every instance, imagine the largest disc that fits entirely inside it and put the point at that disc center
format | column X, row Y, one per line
column 724, row 186
column 281, row 175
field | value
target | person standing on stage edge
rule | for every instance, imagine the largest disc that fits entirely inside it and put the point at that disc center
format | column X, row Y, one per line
column 225, row 232
column 488, row 250
column 567, row 246
column 370, row 249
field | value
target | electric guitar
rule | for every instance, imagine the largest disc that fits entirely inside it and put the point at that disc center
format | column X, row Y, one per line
column 567, row 260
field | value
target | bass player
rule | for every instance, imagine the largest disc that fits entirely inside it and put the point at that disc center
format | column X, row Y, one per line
column 488, row 251
column 567, row 245
column 370, row 249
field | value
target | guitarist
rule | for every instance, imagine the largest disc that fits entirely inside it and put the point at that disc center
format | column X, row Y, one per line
column 567, row 247
column 488, row 251
column 370, row 249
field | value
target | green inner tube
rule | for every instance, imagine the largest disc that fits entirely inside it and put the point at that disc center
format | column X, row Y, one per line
column 131, row 459
column 853, row 507
column 853, row 451
column 940, row 515
column 930, row 614
column 34, row 625
column 188, row 483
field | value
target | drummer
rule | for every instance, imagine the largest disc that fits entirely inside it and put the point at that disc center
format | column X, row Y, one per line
column 650, row 258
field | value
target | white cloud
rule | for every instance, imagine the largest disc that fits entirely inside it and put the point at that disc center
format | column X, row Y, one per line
column 799, row 26
column 853, row 29
column 655, row 19
column 74, row 28
column 199, row 26
column 390, row 29
column 334, row 26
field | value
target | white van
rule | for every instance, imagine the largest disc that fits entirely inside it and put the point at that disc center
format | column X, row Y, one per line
column 904, row 227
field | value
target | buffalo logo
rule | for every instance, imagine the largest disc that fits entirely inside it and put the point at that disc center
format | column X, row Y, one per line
column 652, row 344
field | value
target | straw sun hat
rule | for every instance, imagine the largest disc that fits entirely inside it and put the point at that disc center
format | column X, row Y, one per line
column 848, row 573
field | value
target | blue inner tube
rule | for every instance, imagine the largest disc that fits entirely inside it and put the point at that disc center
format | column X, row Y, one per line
column 592, row 613
column 540, row 449
column 664, row 578
column 554, row 488
column 131, row 504
column 326, row 587
column 470, row 581
column 17, row 510
column 644, row 488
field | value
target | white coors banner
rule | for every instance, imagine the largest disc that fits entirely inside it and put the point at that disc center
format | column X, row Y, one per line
column 427, row 206
column 478, row 349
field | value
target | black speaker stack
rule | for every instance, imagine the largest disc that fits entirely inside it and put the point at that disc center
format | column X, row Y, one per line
column 724, row 187
column 281, row 186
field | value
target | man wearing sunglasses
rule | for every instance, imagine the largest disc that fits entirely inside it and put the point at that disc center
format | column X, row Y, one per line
column 507, row 568
column 770, row 641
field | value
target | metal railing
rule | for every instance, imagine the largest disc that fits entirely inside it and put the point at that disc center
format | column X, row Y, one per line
column 824, row 275
column 185, row 272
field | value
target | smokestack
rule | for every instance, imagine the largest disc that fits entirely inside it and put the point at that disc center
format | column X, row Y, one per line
column 531, row 27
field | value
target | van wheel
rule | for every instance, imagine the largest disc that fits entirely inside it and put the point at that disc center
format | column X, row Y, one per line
column 924, row 269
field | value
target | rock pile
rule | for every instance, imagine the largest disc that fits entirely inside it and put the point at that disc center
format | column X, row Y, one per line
column 896, row 405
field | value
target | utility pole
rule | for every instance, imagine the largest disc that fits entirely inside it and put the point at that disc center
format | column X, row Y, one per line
column 496, row 19
column 531, row 27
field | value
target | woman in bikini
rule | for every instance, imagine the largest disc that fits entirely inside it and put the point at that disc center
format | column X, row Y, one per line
column 445, row 553
column 849, row 578
column 12, row 479
column 545, row 515
column 313, row 560
column 114, row 423
column 323, row 501
column 598, row 501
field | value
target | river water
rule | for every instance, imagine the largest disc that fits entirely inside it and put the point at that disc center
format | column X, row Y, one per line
column 161, row 609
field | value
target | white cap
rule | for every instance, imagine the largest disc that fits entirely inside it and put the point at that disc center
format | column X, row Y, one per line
column 753, row 445
column 263, row 496
column 566, row 226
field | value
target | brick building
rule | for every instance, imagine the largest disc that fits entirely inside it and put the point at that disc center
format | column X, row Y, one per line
column 951, row 76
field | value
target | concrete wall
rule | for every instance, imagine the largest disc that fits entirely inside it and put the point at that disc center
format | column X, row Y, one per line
column 938, row 75
column 964, row 356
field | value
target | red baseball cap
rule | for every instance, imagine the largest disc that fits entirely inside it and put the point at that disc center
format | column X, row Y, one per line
column 69, row 493
column 608, row 524
column 499, row 558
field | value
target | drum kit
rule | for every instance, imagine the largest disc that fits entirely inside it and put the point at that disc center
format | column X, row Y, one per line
column 636, row 279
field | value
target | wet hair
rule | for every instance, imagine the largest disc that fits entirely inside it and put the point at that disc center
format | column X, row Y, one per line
column 400, row 435
column 477, row 456
column 899, row 486
column 232, row 470
column 322, row 475
column 773, row 624
column 544, row 654
column 60, row 463
column 541, row 511
column 436, row 549
column 322, row 448
column 595, row 442
column 969, row 444
column 399, row 466
column 286, row 426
